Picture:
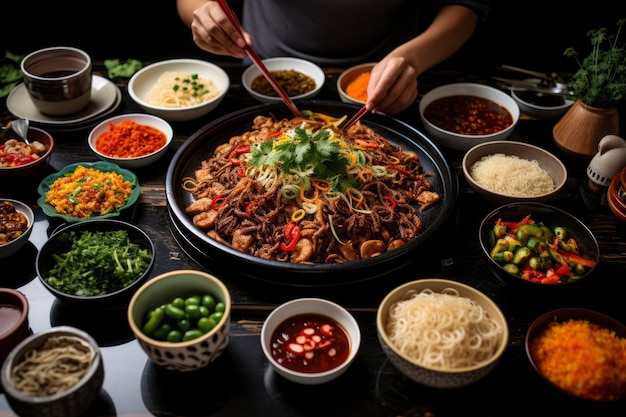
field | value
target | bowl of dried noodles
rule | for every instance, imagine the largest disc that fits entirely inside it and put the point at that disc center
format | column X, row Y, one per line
column 64, row 391
column 299, row 202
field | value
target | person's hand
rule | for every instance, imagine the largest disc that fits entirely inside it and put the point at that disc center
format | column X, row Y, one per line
column 213, row 32
column 393, row 85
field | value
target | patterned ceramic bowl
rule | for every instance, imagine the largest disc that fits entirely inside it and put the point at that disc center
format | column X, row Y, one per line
column 184, row 355
column 434, row 374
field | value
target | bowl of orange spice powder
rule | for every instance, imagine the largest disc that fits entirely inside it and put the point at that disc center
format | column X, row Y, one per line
column 131, row 140
column 581, row 352
column 352, row 83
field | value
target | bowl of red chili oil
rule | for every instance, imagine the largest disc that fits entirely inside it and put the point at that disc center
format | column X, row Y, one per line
column 310, row 340
column 462, row 115
column 131, row 140
column 580, row 352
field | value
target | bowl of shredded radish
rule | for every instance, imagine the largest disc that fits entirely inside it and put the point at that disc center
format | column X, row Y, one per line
column 179, row 89
column 441, row 333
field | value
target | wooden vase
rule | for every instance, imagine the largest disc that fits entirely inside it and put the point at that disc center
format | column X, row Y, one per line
column 579, row 131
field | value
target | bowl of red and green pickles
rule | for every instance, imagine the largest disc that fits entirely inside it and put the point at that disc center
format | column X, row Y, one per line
column 95, row 262
column 534, row 245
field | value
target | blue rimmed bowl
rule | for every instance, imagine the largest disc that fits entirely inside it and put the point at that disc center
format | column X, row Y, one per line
column 103, row 166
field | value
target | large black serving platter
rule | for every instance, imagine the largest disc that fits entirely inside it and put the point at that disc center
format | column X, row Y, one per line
column 211, row 253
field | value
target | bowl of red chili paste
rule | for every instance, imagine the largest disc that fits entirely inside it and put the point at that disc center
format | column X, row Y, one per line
column 580, row 352
column 310, row 340
column 462, row 115
column 131, row 140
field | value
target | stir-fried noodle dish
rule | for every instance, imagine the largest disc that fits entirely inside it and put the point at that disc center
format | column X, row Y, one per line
column 303, row 191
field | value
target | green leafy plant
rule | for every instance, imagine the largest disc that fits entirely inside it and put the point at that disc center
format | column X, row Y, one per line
column 600, row 80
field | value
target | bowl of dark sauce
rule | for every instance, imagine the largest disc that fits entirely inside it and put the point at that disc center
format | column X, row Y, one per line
column 541, row 105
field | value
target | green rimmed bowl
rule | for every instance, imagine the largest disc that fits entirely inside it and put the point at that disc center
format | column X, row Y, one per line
column 103, row 166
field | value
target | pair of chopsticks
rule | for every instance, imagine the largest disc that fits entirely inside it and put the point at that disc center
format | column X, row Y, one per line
column 357, row 116
column 255, row 58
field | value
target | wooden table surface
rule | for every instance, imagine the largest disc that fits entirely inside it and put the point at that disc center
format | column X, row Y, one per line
column 240, row 383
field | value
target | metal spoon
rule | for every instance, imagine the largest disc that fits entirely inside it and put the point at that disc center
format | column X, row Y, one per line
column 20, row 126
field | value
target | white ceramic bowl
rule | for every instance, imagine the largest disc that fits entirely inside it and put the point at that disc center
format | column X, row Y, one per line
column 540, row 105
column 306, row 306
column 188, row 355
column 349, row 76
column 141, row 119
column 548, row 162
column 284, row 64
column 144, row 79
column 464, row 142
column 13, row 246
column 72, row 402
column 433, row 376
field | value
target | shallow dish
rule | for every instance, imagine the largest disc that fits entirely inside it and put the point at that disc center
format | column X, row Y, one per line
column 15, row 245
column 69, row 403
column 207, row 250
column 574, row 361
column 140, row 119
column 347, row 77
column 318, row 313
column 463, row 142
column 552, row 218
column 146, row 78
column 541, row 105
column 59, row 244
column 103, row 166
column 35, row 167
column 434, row 375
column 284, row 64
column 188, row 355
column 524, row 151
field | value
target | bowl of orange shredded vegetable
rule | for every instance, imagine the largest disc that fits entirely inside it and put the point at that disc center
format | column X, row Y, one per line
column 352, row 83
column 580, row 352
column 131, row 140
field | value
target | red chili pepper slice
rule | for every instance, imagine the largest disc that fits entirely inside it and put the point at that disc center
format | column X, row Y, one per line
column 241, row 172
column 513, row 226
column 392, row 201
column 250, row 207
column 292, row 234
column 274, row 134
column 400, row 170
column 218, row 201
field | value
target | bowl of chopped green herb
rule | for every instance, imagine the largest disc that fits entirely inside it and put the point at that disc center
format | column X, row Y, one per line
column 95, row 262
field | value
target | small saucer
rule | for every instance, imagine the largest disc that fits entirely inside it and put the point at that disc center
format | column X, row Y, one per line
column 104, row 94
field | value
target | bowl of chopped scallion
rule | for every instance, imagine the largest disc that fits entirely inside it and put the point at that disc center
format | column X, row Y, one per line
column 95, row 262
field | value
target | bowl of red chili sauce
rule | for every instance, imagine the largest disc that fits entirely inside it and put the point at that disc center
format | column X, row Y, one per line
column 462, row 115
column 580, row 352
column 310, row 340
column 131, row 140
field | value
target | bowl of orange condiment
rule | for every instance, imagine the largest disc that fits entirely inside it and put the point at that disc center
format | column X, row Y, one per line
column 131, row 140
column 352, row 83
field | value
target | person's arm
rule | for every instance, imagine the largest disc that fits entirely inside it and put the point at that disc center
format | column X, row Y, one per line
column 211, row 29
column 393, row 84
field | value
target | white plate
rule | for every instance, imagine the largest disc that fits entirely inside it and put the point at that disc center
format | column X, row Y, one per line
column 104, row 94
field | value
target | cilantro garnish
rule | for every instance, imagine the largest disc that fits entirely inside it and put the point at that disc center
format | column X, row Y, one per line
column 306, row 155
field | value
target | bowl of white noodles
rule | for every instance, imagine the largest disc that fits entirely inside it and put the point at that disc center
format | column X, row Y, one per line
column 57, row 372
column 179, row 89
column 441, row 333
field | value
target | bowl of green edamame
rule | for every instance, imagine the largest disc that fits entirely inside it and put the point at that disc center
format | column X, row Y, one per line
column 535, row 245
column 181, row 319
column 98, row 263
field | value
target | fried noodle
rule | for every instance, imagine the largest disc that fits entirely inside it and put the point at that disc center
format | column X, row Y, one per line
column 302, row 208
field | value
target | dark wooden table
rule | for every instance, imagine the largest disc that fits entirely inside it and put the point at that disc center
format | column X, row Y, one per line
column 240, row 383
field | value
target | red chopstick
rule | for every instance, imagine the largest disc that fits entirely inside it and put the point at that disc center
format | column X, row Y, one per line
column 259, row 63
column 357, row 116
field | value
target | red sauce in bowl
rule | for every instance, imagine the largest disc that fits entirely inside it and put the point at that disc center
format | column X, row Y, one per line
column 468, row 115
column 310, row 343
